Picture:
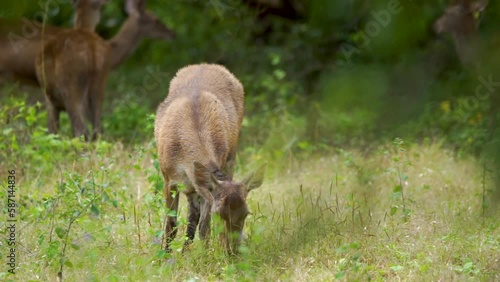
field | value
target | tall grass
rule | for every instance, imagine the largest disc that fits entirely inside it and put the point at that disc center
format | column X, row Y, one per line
column 334, row 217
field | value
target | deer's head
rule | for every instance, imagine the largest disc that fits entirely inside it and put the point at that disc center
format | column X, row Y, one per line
column 229, row 200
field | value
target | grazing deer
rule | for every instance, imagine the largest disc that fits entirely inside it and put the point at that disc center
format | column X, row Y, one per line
column 72, row 69
column 196, row 131
column 18, row 48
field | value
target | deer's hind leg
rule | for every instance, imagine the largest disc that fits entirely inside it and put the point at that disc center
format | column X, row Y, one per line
column 172, row 202
column 53, row 113
column 53, row 103
column 77, row 113
column 96, row 99
column 74, row 96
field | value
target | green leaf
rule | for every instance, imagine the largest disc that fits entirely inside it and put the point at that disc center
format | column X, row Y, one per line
column 407, row 212
column 394, row 210
column 68, row 263
column 355, row 257
column 94, row 210
column 60, row 232
column 304, row 145
column 397, row 268
column 275, row 59
column 180, row 187
column 340, row 275
column 41, row 238
column 52, row 250
column 354, row 245
column 75, row 246
column 279, row 74
column 161, row 254
column 468, row 265
column 397, row 189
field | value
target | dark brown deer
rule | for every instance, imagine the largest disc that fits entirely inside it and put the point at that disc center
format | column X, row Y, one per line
column 140, row 24
column 459, row 20
column 479, row 55
column 72, row 70
column 22, row 40
column 196, row 131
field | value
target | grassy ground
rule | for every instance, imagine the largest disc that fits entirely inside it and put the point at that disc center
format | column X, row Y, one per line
column 398, row 212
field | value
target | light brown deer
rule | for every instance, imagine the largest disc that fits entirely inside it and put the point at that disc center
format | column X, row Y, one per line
column 21, row 40
column 196, row 131
column 72, row 70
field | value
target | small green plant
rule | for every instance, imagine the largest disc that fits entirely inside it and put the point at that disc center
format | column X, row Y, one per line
column 485, row 183
column 467, row 267
column 78, row 198
column 351, row 260
column 397, row 173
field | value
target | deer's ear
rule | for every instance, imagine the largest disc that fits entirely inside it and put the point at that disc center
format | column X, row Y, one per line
column 203, row 178
column 254, row 179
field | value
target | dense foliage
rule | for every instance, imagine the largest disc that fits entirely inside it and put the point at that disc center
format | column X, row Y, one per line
column 333, row 74
column 339, row 73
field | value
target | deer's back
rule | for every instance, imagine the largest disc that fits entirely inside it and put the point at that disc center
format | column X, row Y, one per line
column 212, row 78
column 18, row 49
column 76, row 58
column 199, row 120
column 77, row 51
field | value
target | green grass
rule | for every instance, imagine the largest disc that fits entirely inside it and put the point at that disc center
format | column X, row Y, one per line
column 338, row 216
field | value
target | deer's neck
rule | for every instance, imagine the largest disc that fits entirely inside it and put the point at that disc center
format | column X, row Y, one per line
column 87, row 21
column 125, row 41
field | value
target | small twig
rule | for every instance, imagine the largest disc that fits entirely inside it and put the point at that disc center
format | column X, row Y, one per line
column 164, row 237
column 136, row 220
column 483, row 204
column 353, row 209
column 337, row 207
column 54, row 204
column 149, row 219
column 401, row 186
